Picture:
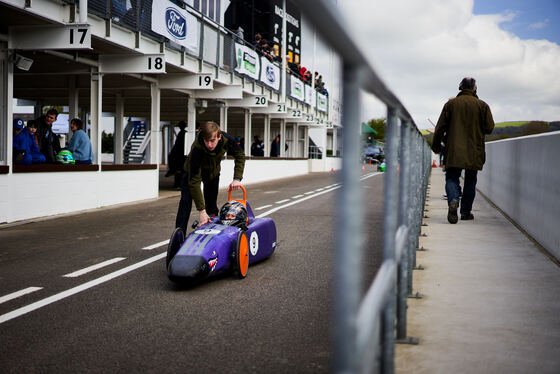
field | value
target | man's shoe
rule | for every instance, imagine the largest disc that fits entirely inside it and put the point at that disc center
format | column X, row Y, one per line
column 452, row 213
column 467, row 216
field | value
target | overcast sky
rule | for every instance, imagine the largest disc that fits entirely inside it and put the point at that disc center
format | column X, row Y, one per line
column 422, row 49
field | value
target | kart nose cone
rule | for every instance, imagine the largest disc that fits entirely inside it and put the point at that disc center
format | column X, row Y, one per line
column 188, row 268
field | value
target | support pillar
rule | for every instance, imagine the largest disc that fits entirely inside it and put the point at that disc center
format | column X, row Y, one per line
column 73, row 103
column 119, row 129
column 6, row 111
column 191, row 124
column 223, row 117
column 155, row 125
column 96, row 101
column 247, row 132
column 334, row 141
column 295, row 147
column 282, row 138
column 306, row 142
column 266, row 135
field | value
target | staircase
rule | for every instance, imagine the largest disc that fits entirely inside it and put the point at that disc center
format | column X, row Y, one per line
column 315, row 152
column 134, row 146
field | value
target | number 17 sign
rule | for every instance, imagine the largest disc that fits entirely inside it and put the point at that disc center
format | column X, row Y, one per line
column 50, row 37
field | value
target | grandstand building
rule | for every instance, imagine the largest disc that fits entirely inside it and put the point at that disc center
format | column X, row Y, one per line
column 135, row 68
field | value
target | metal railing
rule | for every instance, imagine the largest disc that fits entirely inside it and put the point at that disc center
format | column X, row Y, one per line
column 216, row 45
column 366, row 328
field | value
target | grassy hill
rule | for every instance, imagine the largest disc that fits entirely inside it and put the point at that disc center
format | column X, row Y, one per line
column 512, row 123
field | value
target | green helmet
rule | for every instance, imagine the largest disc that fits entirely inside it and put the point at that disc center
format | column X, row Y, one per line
column 382, row 167
column 65, row 157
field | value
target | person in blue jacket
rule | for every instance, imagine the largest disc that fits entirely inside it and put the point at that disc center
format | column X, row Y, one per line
column 80, row 145
column 25, row 145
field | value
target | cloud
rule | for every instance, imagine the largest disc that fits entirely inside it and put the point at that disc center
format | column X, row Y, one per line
column 422, row 49
column 539, row 25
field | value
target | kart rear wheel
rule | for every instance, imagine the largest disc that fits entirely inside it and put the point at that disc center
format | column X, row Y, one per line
column 241, row 256
column 175, row 242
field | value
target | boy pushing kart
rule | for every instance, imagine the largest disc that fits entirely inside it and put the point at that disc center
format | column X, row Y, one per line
column 203, row 166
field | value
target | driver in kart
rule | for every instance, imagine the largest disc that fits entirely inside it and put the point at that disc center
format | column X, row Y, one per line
column 203, row 166
column 233, row 213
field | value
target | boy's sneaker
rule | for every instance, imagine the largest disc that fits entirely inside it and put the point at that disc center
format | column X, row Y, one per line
column 452, row 213
column 467, row 216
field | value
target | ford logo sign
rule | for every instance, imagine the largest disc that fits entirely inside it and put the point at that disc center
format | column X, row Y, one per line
column 176, row 23
column 270, row 74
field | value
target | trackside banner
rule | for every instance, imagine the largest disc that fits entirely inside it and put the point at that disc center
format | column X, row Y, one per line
column 247, row 61
column 175, row 23
column 297, row 88
column 321, row 102
column 309, row 95
column 270, row 74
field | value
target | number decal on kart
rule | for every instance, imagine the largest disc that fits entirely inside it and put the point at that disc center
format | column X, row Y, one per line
column 254, row 243
column 207, row 231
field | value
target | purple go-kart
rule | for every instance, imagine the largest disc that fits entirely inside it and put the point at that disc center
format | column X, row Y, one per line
column 229, row 243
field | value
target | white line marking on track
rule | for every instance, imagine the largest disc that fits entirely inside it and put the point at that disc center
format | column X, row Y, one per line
column 325, row 190
column 263, row 207
column 62, row 295
column 297, row 196
column 157, row 245
column 319, row 189
column 78, row 273
column 294, row 202
column 370, row 175
column 282, row 201
column 15, row 295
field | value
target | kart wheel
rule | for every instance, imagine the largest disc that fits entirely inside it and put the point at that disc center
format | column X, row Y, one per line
column 175, row 242
column 241, row 256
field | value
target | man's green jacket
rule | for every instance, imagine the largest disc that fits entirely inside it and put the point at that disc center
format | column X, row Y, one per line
column 203, row 165
column 461, row 126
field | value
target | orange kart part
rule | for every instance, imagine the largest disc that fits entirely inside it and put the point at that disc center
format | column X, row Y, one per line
column 244, row 201
column 242, row 256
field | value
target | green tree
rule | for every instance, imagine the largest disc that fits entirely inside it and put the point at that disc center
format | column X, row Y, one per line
column 378, row 124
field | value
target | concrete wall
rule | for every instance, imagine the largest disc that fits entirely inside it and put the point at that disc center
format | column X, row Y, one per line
column 522, row 177
column 264, row 170
column 31, row 195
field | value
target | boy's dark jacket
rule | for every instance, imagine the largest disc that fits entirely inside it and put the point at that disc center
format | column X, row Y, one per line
column 203, row 165
column 462, row 125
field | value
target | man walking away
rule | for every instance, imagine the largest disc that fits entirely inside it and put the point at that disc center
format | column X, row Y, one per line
column 462, row 124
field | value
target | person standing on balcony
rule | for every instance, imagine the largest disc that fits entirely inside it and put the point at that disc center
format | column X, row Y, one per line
column 48, row 141
column 203, row 166
column 462, row 124
column 80, row 145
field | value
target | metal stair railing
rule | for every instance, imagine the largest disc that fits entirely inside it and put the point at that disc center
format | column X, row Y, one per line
column 366, row 329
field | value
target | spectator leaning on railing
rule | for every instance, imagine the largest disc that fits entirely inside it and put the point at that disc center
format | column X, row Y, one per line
column 48, row 141
column 26, row 151
column 80, row 145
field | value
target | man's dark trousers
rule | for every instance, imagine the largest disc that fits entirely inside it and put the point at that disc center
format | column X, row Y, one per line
column 452, row 188
column 210, row 191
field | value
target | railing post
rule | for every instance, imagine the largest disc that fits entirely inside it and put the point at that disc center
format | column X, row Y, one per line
column 390, row 229
column 413, row 212
column 403, row 220
column 349, row 253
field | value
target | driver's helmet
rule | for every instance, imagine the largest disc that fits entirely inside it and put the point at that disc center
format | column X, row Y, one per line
column 233, row 213
column 65, row 157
